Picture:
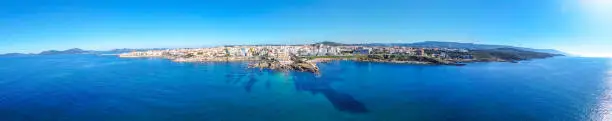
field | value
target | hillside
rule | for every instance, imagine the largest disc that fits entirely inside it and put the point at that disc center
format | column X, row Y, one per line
column 470, row 46
column 508, row 54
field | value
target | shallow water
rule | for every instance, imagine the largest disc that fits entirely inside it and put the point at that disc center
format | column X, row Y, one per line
column 92, row 88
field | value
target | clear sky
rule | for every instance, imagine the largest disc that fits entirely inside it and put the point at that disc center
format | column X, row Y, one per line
column 575, row 26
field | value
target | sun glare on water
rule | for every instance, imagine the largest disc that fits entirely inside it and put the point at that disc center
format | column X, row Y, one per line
column 604, row 108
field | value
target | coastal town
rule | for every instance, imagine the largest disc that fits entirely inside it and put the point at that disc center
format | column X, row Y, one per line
column 282, row 53
column 287, row 57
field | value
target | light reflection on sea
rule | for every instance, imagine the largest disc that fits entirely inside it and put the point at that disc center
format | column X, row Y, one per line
column 604, row 106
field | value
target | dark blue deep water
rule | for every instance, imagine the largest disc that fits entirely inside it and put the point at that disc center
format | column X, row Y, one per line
column 108, row 88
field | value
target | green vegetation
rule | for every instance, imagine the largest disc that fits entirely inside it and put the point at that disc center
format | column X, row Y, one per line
column 498, row 54
column 403, row 58
column 334, row 57
column 507, row 54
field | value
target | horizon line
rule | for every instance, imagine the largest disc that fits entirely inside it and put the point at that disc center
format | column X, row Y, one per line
column 206, row 46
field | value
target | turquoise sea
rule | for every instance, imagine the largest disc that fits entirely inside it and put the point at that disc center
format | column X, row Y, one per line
column 108, row 88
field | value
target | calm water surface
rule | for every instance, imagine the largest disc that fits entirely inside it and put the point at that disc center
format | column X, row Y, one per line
column 107, row 88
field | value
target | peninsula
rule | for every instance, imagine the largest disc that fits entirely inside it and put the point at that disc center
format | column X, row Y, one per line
column 305, row 57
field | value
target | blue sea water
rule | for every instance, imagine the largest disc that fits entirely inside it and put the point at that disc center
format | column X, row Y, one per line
column 108, row 88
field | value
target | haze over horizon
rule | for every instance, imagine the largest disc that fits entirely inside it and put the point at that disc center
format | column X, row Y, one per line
column 579, row 27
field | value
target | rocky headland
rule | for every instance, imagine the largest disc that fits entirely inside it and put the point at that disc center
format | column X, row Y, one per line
column 296, row 64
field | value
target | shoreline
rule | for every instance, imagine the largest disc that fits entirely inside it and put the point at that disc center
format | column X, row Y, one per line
column 318, row 60
column 315, row 60
column 292, row 62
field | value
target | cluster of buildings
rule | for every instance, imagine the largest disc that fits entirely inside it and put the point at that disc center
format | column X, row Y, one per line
column 245, row 53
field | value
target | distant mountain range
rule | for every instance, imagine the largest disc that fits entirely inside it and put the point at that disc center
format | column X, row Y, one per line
column 52, row 52
column 79, row 51
column 458, row 45
column 14, row 54
column 125, row 50
column 69, row 51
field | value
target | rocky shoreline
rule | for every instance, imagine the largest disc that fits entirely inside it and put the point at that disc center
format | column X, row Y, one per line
column 306, row 64
column 296, row 64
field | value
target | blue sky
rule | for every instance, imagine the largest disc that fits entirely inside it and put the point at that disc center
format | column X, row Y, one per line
column 575, row 26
